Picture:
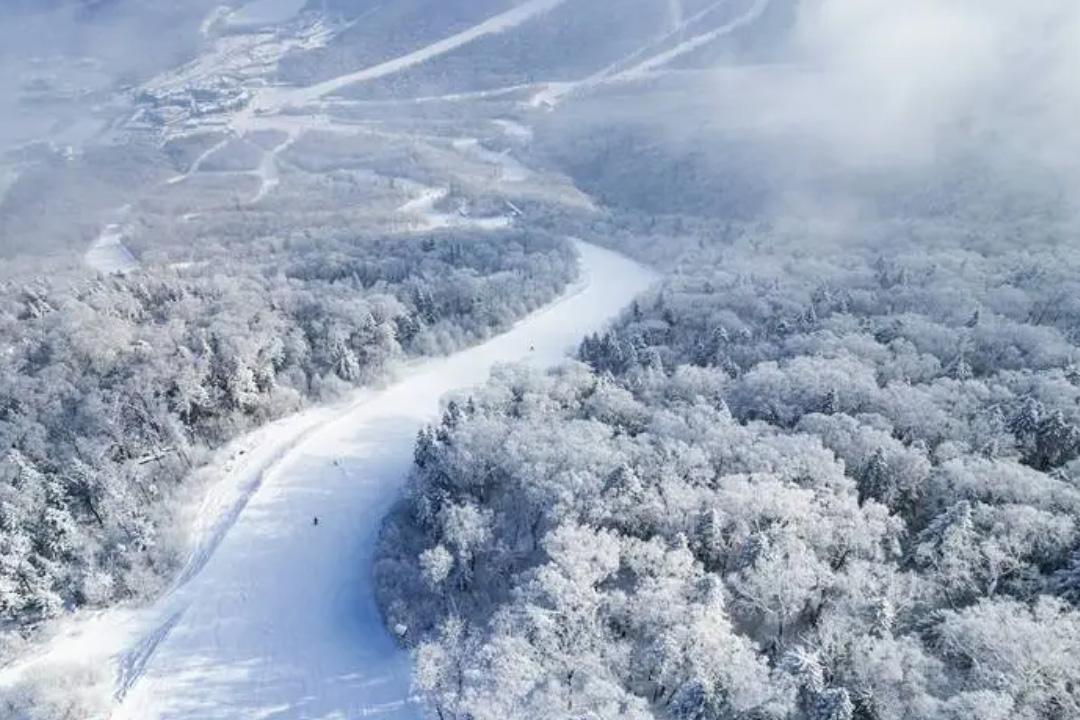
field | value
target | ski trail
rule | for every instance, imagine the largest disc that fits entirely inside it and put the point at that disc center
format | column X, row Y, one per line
column 426, row 201
column 197, row 165
column 281, row 621
column 430, row 99
column 268, row 172
column 514, row 130
column 658, row 61
column 422, row 207
column 506, row 167
column 268, row 619
column 554, row 93
column 272, row 101
column 108, row 254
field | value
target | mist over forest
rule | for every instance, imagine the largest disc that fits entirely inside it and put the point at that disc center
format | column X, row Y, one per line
column 499, row 359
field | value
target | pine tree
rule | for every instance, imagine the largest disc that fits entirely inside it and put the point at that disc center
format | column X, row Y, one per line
column 959, row 369
column 830, row 404
column 1066, row 581
column 833, row 704
column 708, row 541
column 874, row 482
column 1024, row 425
column 1072, row 373
column 426, row 448
column 1057, row 441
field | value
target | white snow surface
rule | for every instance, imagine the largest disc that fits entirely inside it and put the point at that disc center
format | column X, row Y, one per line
column 108, row 254
column 273, row 616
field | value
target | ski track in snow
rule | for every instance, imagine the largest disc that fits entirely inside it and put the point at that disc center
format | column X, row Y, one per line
column 268, row 172
column 658, row 61
column 197, row 165
column 276, row 99
column 276, row 617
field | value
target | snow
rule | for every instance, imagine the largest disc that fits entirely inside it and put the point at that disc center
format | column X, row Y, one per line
column 554, row 93
column 197, row 165
column 426, row 201
column 515, row 130
column 506, row 167
column 108, row 254
column 426, row 217
column 215, row 16
column 268, row 171
column 274, row 617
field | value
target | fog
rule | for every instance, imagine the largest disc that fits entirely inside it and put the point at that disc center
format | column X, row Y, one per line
column 64, row 58
column 902, row 82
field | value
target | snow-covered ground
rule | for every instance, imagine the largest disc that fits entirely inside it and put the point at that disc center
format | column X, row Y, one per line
column 268, row 172
column 505, row 166
column 108, row 254
column 274, row 617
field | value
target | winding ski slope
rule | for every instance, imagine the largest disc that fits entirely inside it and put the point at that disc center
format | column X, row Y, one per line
column 278, row 619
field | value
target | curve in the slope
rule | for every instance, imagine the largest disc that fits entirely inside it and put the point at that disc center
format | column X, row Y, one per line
column 242, row 638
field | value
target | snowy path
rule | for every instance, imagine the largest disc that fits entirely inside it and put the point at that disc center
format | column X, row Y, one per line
column 424, row 216
column 268, row 172
column 275, row 618
column 281, row 621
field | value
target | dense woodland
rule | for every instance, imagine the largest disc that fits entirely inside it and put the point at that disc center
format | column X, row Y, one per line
column 113, row 388
column 816, row 484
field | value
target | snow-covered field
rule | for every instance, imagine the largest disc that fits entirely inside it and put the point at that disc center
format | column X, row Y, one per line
column 108, row 254
column 274, row 616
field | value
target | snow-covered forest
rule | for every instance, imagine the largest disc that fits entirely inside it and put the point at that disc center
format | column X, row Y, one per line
column 112, row 389
column 832, row 484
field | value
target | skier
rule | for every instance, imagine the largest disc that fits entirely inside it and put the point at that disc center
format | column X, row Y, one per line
column 315, row 521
